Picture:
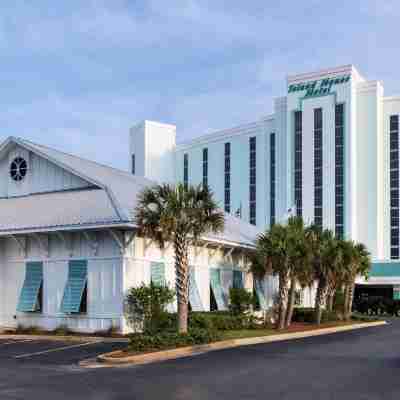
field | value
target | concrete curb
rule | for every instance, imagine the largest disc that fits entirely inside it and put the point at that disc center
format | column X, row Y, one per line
column 112, row 359
column 64, row 338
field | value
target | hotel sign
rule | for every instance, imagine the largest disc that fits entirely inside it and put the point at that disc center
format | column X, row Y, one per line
column 320, row 87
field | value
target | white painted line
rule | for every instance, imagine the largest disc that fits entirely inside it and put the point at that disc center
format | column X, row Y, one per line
column 38, row 353
column 16, row 342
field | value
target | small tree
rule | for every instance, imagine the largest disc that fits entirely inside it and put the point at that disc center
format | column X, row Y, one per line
column 240, row 300
column 180, row 215
column 146, row 307
column 300, row 262
column 325, row 260
column 358, row 263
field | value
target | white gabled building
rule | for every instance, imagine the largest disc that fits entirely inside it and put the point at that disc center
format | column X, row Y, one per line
column 69, row 249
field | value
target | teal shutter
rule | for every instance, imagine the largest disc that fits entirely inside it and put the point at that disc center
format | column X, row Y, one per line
column 216, row 287
column 194, row 294
column 259, row 286
column 238, row 279
column 158, row 273
column 29, row 297
column 77, row 279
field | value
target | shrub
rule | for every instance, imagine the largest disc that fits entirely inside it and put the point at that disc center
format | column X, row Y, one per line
column 307, row 314
column 145, row 342
column 338, row 300
column 222, row 321
column 146, row 307
column 377, row 306
column 240, row 300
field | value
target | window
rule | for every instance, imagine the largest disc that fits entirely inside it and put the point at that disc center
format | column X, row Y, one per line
column 133, row 164
column 272, row 178
column 394, row 186
column 227, row 180
column 237, row 279
column 216, row 292
column 194, row 293
column 298, row 163
column 158, row 273
column 205, row 167
column 339, row 170
column 186, row 170
column 318, row 193
column 75, row 292
column 31, row 296
column 252, row 180
column 18, row 169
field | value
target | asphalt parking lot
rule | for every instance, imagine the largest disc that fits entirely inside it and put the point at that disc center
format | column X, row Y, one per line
column 53, row 352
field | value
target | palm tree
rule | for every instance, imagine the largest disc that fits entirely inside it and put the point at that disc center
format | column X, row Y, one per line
column 300, row 262
column 285, row 253
column 358, row 263
column 181, row 215
column 325, row 260
column 273, row 246
column 338, row 273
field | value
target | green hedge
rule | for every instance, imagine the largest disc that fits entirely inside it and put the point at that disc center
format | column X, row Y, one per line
column 377, row 306
column 222, row 321
column 143, row 342
column 303, row 314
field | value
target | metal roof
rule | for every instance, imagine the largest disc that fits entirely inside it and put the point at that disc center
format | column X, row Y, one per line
column 113, row 202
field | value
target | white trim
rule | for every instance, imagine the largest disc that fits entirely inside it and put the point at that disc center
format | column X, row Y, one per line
column 63, row 228
column 225, row 133
column 48, row 260
column 38, row 353
column 349, row 68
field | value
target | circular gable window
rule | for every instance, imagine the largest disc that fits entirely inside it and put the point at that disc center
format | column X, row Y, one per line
column 18, row 169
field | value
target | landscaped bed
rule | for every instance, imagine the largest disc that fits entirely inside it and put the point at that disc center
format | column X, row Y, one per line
column 229, row 335
column 232, row 338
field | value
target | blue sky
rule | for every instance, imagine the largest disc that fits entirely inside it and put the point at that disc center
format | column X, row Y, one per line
column 77, row 74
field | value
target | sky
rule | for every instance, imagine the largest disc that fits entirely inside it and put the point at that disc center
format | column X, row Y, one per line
column 76, row 75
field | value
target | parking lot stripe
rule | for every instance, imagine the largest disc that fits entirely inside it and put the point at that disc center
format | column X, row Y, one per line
column 38, row 353
column 16, row 342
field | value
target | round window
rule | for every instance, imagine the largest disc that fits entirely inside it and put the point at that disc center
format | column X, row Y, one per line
column 18, row 169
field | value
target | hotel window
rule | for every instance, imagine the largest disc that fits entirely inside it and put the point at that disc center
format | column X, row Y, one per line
column 298, row 144
column 272, row 178
column 227, row 183
column 339, row 170
column 186, row 170
column 253, row 176
column 205, row 167
column 394, row 186
column 318, row 166
column 133, row 164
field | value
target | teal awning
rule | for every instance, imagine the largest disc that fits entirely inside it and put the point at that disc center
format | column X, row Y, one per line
column 385, row 269
column 194, row 294
column 77, row 279
column 238, row 279
column 29, row 296
column 260, row 292
column 216, row 287
column 158, row 273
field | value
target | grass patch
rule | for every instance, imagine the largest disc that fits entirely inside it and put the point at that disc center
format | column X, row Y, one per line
column 295, row 327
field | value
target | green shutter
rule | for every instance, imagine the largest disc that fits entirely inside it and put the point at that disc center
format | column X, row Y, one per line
column 77, row 279
column 259, row 286
column 238, row 279
column 158, row 273
column 29, row 297
column 194, row 295
column 216, row 287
